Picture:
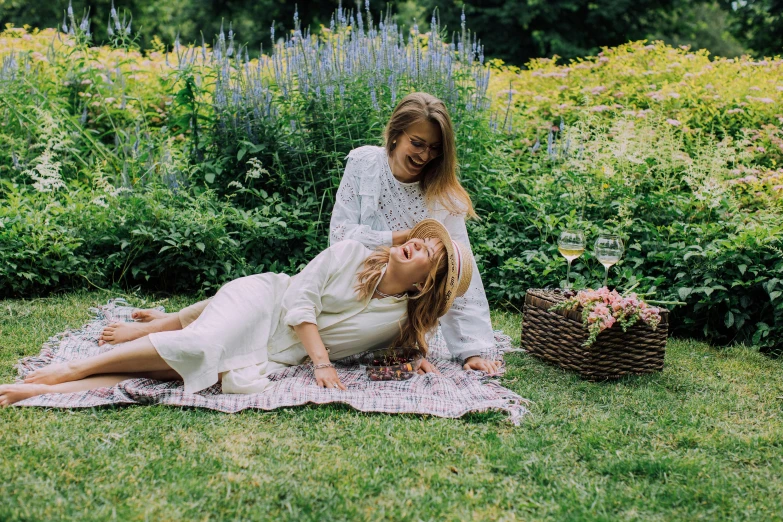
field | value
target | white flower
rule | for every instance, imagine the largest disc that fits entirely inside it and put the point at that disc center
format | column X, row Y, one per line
column 255, row 169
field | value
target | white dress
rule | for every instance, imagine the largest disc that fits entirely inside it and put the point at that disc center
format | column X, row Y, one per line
column 371, row 203
column 246, row 330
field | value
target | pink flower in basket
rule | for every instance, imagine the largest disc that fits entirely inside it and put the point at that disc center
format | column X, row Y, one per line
column 602, row 308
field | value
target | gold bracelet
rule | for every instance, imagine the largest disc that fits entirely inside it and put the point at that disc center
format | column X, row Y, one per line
column 323, row 365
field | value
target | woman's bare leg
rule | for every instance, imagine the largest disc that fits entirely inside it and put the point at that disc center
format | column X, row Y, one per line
column 136, row 356
column 160, row 375
column 12, row 393
column 118, row 333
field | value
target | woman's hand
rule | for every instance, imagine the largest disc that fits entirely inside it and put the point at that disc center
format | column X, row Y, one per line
column 400, row 237
column 478, row 363
column 428, row 367
column 327, row 378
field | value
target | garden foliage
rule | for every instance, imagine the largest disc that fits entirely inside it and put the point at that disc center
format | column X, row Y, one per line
column 179, row 169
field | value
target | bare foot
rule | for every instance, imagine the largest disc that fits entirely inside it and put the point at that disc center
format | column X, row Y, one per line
column 117, row 333
column 13, row 393
column 53, row 374
column 145, row 315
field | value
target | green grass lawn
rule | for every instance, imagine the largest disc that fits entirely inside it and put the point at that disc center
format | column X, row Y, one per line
column 702, row 440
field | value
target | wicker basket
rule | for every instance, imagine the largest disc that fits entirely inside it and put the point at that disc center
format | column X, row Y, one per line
column 559, row 337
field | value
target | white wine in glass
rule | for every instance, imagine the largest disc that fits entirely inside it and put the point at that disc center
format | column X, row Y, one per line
column 571, row 244
column 571, row 253
column 609, row 249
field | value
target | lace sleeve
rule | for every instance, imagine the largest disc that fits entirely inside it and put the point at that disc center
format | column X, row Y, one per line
column 467, row 328
column 347, row 213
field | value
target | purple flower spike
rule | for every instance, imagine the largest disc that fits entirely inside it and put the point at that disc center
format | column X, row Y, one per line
column 358, row 53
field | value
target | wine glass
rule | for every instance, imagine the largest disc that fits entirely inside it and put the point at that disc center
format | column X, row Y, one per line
column 571, row 244
column 609, row 249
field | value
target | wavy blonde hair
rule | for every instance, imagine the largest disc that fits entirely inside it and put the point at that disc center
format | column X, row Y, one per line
column 439, row 181
column 422, row 307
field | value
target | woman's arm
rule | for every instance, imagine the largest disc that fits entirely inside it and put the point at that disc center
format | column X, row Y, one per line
column 466, row 326
column 346, row 214
column 303, row 302
column 346, row 222
column 326, row 376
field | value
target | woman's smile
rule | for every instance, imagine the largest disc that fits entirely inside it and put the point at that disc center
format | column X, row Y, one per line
column 416, row 165
column 407, row 251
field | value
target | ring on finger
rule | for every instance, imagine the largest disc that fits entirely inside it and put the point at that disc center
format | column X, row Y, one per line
column 335, row 385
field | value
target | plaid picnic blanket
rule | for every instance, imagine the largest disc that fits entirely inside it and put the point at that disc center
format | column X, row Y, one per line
column 452, row 394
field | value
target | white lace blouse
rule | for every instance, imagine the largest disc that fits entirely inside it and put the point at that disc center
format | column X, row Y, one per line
column 371, row 203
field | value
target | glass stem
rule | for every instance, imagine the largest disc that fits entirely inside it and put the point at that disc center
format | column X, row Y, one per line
column 568, row 276
column 606, row 274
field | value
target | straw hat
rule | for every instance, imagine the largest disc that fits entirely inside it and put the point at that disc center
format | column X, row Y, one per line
column 459, row 260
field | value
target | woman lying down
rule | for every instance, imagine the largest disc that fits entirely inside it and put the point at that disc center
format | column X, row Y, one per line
column 347, row 300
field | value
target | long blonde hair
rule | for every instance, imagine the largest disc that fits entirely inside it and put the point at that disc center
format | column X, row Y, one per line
column 422, row 307
column 439, row 181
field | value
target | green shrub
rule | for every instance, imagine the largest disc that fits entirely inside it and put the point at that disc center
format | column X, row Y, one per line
column 154, row 239
column 691, row 235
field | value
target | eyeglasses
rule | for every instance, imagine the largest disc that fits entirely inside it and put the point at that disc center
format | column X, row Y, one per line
column 419, row 147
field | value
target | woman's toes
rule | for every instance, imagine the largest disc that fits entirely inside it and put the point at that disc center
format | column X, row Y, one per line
column 13, row 393
column 147, row 315
column 109, row 330
column 107, row 335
